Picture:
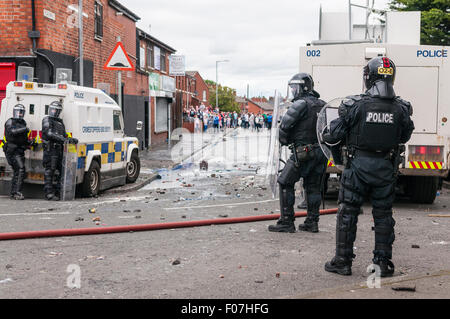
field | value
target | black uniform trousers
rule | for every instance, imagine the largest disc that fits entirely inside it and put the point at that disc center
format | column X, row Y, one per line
column 15, row 155
column 312, row 172
column 52, row 161
column 373, row 178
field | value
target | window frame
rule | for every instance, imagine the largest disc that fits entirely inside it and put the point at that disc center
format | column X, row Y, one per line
column 117, row 113
column 150, row 57
column 162, row 58
column 98, row 20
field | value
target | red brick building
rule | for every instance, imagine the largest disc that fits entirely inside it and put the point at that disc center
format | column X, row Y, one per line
column 43, row 36
column 201, row 90
column 161, row 113
column 255, row 105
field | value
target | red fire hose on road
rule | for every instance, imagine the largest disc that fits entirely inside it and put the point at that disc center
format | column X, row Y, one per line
column 146, row 227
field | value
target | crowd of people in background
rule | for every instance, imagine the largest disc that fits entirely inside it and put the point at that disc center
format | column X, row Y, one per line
column 207, row 119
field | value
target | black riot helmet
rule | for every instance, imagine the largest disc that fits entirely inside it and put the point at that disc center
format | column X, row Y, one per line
column 55, row 109
column 379, row 76
column 18, row 111
column 301, row 84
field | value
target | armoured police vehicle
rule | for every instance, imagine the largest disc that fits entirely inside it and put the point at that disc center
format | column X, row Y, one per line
column 423, row 78
column 104, row 157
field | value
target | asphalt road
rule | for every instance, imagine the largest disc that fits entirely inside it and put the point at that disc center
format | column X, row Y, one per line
column 223, row 261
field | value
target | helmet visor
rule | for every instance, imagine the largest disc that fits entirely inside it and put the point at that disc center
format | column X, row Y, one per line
column 19, row 112
column 54, row 111
column 294, row 90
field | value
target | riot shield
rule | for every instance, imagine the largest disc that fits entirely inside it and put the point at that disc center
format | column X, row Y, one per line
column 276, row 154
column 329, row 113
column 69, row 172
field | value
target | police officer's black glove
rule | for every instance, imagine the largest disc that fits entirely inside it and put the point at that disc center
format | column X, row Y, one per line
column 73, row 140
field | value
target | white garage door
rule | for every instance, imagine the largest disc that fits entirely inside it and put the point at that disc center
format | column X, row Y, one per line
column 161, row 115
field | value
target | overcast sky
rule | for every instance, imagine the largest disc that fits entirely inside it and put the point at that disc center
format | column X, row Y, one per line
column 260, row 38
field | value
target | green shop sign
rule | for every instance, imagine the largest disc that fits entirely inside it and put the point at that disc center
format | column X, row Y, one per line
column 153, row 82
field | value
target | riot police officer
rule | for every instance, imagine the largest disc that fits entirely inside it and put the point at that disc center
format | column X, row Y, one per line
column 371, row 125
column 298, row 129
column 16, row 135
column 54, row 136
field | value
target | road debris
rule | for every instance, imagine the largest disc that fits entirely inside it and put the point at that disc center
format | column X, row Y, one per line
column 411, row 289
column 79, row 219
column 438, row 215
column 415, row 246
column 53, row 254
column 204, row 165
column 92, row 211
column 96, row 219
column 4, row 281
column 176, row 262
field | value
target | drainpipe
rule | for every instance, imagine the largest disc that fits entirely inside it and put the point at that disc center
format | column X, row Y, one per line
column 35, row 34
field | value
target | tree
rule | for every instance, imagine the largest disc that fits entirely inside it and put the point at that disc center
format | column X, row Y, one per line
column 227, row 101
column 435, row 19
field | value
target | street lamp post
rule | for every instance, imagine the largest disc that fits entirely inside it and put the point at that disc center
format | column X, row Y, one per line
column 217, row 82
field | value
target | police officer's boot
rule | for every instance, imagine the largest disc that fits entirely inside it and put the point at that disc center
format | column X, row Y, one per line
column 384, row 237
column 339, row 265
column 285, row 223
column 309, row 225
column 387, row 267
column 19, row 196
column 57, row 194
column 49, row 196
column 346, row 226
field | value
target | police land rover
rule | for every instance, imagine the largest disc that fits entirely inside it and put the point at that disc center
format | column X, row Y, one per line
column 103, row 158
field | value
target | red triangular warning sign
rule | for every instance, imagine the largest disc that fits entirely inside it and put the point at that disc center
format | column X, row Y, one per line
column 119, row 60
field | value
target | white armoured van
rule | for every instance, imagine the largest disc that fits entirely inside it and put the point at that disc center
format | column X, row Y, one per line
column 105, row 157
column 423, row 78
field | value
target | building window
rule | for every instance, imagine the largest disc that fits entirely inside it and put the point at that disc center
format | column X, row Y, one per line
column 157, row 58
column 163, row 61
column 150, row 60
column 98, row 23
column 142, row 58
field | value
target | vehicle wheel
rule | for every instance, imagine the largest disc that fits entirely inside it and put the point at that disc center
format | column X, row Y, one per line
column 133, row 168
column 91, row 182
column 422, row 189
